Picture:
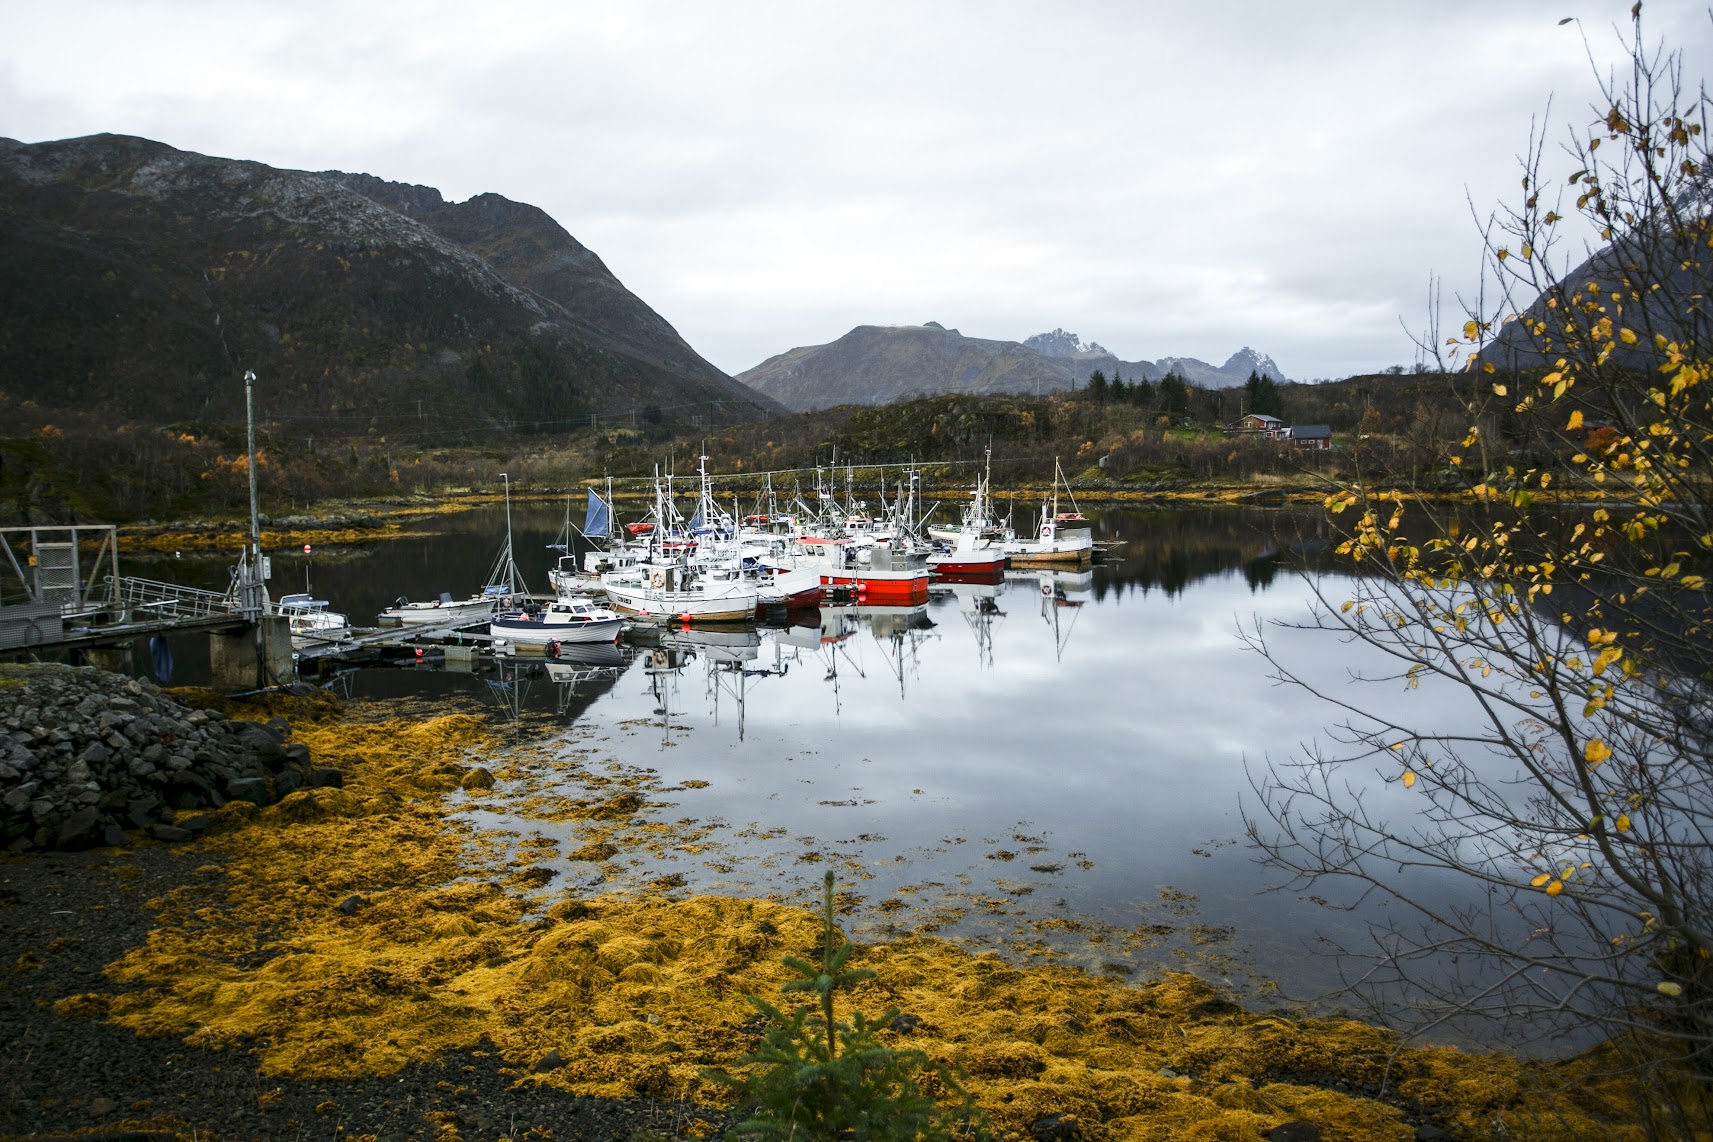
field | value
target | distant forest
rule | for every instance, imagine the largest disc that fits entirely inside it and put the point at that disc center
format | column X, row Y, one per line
column 59, row 467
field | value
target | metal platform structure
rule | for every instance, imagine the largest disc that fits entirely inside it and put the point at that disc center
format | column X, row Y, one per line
column 67, row 592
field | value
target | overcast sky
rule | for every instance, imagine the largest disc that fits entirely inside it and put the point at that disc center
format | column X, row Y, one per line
column 1167, row 179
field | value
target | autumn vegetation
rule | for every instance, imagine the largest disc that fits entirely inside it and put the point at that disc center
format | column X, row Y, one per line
column 1572, row 804
column 59, row 466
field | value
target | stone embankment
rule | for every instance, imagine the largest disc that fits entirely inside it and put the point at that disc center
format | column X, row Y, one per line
column 87, row 756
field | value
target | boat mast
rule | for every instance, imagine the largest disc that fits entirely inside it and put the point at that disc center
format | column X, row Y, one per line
column 514, row 581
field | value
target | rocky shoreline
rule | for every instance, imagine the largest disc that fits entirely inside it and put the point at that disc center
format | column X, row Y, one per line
column 88, row 757
column 111, row 777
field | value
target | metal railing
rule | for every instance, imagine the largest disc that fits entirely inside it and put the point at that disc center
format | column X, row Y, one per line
column 157, row 600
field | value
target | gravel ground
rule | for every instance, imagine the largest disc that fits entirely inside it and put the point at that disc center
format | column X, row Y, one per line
column 65, row 916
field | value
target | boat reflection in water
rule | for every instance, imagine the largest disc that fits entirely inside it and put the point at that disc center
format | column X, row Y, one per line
column 871, row 652
column 575, row 679
column 1063, row 595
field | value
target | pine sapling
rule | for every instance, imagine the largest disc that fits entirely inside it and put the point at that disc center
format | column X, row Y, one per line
column 815, row 1077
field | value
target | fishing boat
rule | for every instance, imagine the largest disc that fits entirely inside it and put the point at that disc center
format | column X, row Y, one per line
column 669, row 592
column 760, row 557
column 877, row 574
column 313, row 622
column 1060, row 540
column 969, row 557
column 606, row 552
column 977, row 517
column 565, row 620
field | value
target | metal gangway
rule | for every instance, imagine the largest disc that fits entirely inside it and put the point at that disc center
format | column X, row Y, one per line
column 66, row 591
column 144, row 600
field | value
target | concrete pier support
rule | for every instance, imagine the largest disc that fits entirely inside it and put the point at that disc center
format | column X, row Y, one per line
column 253, row 658
column 118, row 659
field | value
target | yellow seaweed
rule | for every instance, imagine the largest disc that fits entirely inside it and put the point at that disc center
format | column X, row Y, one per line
column 639, row 994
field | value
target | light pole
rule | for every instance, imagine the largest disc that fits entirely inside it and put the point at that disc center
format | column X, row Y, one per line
column 253, row 581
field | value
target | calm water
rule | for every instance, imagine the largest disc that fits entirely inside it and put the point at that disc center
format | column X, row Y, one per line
column 1022, row 766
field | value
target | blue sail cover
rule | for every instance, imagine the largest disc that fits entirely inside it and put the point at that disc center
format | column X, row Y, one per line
column 595, row 521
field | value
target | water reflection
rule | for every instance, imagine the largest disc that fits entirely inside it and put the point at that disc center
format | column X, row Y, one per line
column 1023, row 763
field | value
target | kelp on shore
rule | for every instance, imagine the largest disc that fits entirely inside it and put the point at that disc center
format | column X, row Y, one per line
column 357, row 930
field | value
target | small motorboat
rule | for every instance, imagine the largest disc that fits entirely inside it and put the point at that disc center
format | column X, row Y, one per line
column 565, row 620
column 312, row 622
column 445, row 611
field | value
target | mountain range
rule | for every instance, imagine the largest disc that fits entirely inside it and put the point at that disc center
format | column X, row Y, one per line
column 876, row 364
column 142, row 281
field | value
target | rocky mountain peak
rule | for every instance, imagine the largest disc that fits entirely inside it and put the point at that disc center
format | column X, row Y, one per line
column 1247, row 359
column 1061, row 344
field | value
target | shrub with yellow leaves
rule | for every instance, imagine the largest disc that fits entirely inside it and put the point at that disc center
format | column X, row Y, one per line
column 1567, row 596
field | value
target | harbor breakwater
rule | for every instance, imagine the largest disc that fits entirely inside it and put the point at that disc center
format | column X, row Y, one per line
column 87, row 756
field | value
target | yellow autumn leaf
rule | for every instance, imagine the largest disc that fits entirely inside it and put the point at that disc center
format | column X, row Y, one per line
column 1499, row 390
column 1596, row 751
column 1409, row 779
column 1555, row 888
column 1575, row 420
column 1627, row 336
column 1470, row 329
column 1666, row 987
column 1623, row 822
column 1540, row 880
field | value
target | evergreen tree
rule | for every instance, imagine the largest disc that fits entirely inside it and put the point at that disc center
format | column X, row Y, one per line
column 1174, row 394
column 1097, row 386
column 1261, row 395
column 816, row 1077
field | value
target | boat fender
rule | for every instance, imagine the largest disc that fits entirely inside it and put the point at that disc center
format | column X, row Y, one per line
column 553, row 649
column 657, row 580
column 660, row 659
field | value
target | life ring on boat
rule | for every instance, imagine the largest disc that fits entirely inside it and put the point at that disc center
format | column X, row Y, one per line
column 657, row 580
column 661, row 660
column 553, row 649
column 1046, row 589
column 1046, row 531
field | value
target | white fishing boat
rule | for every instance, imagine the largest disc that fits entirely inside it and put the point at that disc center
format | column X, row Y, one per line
column 685, row 579
column 680, row 592
column 606, row 552
column 779, row 581
column 313, row 622
column 977, row 520
column 1060, row 540
column 564, row 621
